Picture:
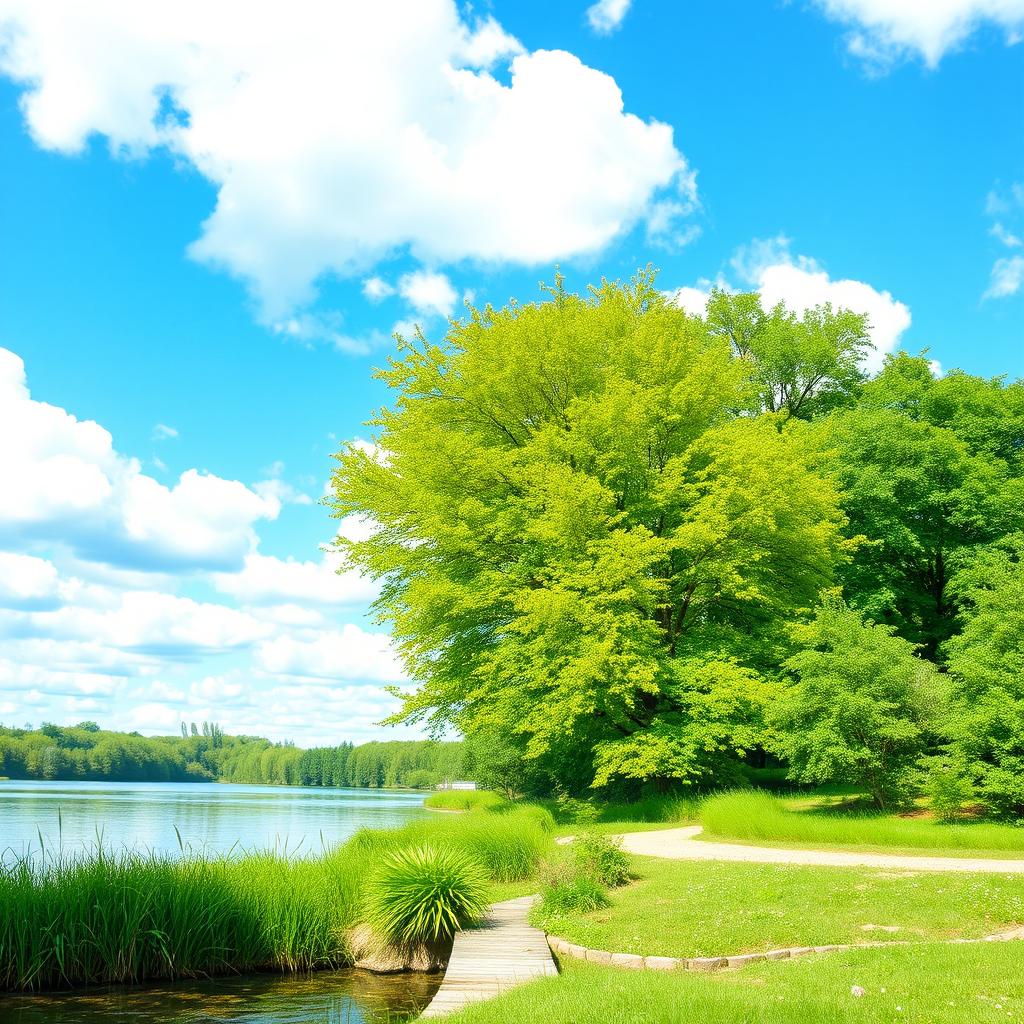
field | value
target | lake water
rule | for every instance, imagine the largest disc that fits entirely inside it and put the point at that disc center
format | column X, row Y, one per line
column 210, row 817
column 217, row 818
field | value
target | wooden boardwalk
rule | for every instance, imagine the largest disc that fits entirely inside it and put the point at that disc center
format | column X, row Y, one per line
column 503, row 951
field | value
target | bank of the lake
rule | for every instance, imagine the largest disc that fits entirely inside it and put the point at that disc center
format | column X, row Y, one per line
column 121, row 916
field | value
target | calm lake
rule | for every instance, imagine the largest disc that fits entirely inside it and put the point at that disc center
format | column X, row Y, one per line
column 216, row 818
column 211, row 817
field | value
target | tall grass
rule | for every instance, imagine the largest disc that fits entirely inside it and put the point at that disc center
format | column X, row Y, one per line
column 752, row 815
column 124, row 917
column 464, row 800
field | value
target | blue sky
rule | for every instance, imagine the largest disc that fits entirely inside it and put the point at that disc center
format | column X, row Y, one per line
column 211, row 225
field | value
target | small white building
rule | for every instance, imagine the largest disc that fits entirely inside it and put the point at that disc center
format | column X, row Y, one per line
column 456, row 785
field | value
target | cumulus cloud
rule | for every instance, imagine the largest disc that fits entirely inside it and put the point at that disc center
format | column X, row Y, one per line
column 346, row 132
column 348, row 653
column 883, row 31
column 428, row 293
column 265, row 579
column 26, row 581
column 605, row 16
column 162, row 432
column 767, row 266
column 376, row 288
column 65, row 482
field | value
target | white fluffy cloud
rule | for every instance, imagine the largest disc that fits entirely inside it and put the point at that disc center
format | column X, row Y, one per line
column 882, row 31
column 265, row 579
column 767, row 266
column 65, row 482
column 142, row 605
column 348, row 653
column 26, row 581
column 606, row 16
column 344, row 131
column 430, row 294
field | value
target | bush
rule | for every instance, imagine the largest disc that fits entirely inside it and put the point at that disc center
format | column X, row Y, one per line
column 580, row 895
column 948, row 787
column 600, row 858
column 425, row 894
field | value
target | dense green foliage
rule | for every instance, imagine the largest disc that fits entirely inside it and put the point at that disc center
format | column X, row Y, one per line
column 425, row 895
column 860, row 707
column 609, row 535
column 84, row 751
column 123, row 917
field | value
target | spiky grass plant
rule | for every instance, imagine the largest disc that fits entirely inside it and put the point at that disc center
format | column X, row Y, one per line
column 425, row 895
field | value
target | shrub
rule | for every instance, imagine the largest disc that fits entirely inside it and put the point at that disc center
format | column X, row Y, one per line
column 600, row 858
column 948, row 786
column 425, row 894
column 580, row 895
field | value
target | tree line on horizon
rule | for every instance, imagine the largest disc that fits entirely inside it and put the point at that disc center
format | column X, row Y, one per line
column 641, row 549
column 207, row 754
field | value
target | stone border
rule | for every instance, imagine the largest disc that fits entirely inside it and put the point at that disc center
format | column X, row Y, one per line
column 635, row 962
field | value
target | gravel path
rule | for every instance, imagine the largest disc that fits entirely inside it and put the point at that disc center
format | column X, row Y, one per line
column 680, row 844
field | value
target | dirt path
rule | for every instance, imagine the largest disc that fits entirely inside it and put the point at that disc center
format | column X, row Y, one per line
column 680, row 844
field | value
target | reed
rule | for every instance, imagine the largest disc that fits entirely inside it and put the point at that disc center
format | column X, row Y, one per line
column 465, row 800
column 122, row 917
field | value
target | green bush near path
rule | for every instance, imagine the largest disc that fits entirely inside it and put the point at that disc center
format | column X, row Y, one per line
column 126, row 917
column 708, row 908
column 759, row 817
column 918, row 985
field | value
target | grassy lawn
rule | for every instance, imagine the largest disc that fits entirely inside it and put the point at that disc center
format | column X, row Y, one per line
column 922, row 985
column 681, row 908
column 766, row 820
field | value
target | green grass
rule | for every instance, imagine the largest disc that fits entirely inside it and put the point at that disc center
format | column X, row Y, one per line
column 704, row 908
column 125, row 917
column 647, row 815
column 917, row 985
column 465, row 800
column 755, row 817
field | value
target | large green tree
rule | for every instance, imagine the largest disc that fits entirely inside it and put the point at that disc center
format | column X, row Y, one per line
column 584, row 537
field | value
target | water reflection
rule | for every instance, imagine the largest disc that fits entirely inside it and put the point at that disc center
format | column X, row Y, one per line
column 211, row 817
column 325, row 997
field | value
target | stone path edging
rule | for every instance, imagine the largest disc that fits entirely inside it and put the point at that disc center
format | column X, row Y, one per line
column 714, row 963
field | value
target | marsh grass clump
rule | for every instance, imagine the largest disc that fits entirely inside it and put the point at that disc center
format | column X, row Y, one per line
column 465, row 800
column 425, row 895
column 123, row 917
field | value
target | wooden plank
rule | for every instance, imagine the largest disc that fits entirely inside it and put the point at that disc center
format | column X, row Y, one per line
column 502, row 952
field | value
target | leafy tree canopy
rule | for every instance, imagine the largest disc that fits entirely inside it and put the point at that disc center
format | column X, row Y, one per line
column 580, row 526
